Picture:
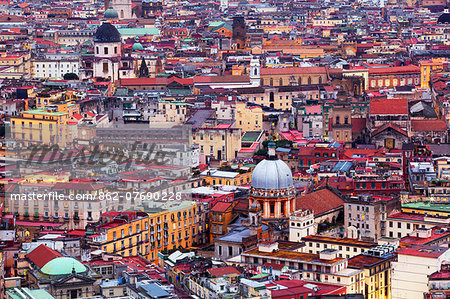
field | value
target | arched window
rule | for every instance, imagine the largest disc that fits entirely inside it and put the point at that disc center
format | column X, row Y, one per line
column 121, row 14
column 255, row 72
column 271, row 97
column 281, row 82
column 309, row 80
column 346, row 120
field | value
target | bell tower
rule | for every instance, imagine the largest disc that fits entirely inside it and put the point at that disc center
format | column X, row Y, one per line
column 255, row 219
column 255, row 77
column 123, row 7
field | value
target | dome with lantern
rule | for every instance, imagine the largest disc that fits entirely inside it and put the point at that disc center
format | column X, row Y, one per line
column 272, row 186
column 110, row 13
column 137, row 47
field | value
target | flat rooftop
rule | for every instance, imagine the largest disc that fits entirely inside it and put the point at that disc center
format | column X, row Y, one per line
column 293, row 255
column 343, row 241
column 427, row 206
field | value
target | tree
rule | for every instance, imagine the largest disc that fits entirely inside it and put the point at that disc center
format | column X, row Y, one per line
column 70, row 76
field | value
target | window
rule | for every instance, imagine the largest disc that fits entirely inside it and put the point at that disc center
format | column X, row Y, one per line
column 105, row 50
column 105, row 67
column 115, row 50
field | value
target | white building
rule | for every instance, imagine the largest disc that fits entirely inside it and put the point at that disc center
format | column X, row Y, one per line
column 55, row 66
column 410, row 271
column 301, row 224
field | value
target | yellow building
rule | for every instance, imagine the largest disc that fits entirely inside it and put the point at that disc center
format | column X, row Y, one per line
column 427, row 67
column 248, row 118
column 270, row 97
column 169, row 113
column 42, row 125
column 219, row 177
column 326, row 22
column 426, row 207
column 20, row 63
column 161, row 227
column 221, row 143
column 123, row 237
column 377, row 275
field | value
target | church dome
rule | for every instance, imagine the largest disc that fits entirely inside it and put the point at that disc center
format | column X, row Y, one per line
column 444, row 18
column 107, row 33
column 272, row 175
column 137, row 47
column 63, row 266
column 110, row 13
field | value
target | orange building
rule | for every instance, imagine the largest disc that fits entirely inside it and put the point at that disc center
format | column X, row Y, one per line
column 221, row 215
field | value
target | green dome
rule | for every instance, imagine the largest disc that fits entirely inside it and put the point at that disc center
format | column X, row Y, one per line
column 63, row 266
column 137, row 47
column 110, row 13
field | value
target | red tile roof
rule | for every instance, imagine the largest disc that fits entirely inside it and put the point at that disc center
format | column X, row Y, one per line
column 394, row 70
column 293, row 70
column 42, row 254
column 221, row 206
column 143, row 81
column 424, row 125
column 296, row 287
column 320, row 201
column 387, row 126
column 388, row 106
column 274, row 266
column 218, row 272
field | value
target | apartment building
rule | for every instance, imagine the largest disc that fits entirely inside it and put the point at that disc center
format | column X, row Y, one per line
column 40, row 126
column 365, row 216
column 347, row 248
column 221, row 142
column 376, row 264
column 324, row 267
column 413, row 266
column 248, row 118
column 400, row 225
column 160, row 226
